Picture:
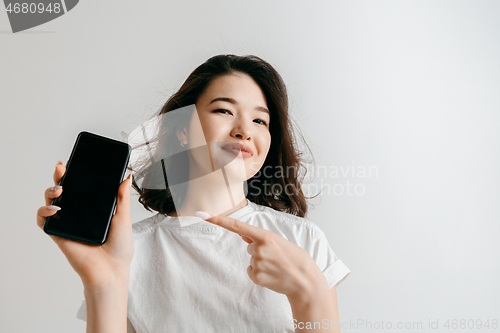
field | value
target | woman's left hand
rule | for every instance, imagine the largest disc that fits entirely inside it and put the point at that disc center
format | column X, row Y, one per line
column 276, row 263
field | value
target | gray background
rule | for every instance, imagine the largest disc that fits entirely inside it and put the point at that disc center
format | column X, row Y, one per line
column 410, row 87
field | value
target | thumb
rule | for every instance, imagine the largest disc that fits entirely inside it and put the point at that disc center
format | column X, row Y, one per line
column 123, row 201
column 246, row 239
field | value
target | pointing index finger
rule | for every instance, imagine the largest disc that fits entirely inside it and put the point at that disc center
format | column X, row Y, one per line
column 234, row 225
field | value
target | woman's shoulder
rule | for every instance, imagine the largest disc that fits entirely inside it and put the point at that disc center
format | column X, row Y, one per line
column 146, row 224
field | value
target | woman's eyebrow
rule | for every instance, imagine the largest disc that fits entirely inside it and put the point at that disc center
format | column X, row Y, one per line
column 233, row 101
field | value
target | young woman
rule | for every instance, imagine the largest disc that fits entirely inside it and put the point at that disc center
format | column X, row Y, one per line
column 254, row 263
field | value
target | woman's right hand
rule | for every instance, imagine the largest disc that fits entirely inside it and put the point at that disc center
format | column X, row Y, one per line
column 97, row 266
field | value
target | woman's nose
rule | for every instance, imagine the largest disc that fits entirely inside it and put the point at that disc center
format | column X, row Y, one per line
column 241, row 131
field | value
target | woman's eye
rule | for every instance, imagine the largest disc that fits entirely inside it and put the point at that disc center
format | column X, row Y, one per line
column 260, row 121
column 223, row 111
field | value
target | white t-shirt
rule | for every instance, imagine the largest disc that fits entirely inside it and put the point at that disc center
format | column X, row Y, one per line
column 194, row 278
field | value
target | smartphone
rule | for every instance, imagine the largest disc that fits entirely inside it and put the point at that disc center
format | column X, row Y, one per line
column 94, row 172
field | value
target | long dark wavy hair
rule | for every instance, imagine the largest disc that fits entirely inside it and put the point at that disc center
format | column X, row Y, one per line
column 280, row 186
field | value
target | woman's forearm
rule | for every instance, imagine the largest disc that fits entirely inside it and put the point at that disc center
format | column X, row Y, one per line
column 315, row 310
column 107, row 307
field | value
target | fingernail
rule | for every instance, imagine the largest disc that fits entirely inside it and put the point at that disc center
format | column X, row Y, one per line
column 59, row 162
column 52, row 207
column 130, row 179
column 203, row 215
column 55, row 188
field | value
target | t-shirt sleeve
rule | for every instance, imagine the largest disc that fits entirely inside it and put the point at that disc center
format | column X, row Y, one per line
column 82, row 314
column 334, row 270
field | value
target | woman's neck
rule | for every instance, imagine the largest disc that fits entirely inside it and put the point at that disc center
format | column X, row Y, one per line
column 213, row 194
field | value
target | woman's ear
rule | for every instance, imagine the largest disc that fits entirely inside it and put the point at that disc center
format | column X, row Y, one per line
column 182, row 136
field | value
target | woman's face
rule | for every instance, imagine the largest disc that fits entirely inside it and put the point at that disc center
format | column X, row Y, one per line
column 234, row 116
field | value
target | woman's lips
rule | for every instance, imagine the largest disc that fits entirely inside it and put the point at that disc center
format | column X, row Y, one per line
column 236, row 148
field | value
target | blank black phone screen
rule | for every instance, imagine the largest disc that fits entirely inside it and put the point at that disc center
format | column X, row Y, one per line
column 90, row 186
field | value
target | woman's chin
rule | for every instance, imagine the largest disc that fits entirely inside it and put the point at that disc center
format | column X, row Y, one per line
column 235, row 174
